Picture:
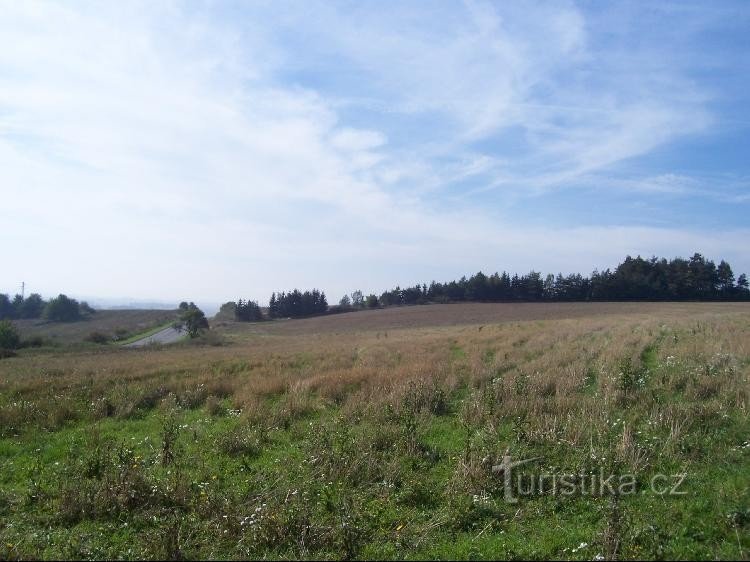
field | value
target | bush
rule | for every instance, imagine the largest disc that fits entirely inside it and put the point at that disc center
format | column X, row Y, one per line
column 33, row 341
column 9, row 338
column 62, row 309
column 97, row 337
column 209, row 338
column 121, row 333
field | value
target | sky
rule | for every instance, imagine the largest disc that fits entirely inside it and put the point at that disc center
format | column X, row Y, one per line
column 215, row 150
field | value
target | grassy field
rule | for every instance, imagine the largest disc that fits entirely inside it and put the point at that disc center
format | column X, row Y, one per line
column 125, row 323
column 373, row 434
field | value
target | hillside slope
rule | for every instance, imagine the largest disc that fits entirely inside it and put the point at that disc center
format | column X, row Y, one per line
column 107, row 322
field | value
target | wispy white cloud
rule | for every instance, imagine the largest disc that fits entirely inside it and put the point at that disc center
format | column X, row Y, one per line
column 161, row 150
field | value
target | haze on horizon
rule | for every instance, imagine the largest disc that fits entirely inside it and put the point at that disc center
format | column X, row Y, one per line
column 215, row 150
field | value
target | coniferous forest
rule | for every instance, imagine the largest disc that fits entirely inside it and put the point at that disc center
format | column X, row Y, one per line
column 635, row 279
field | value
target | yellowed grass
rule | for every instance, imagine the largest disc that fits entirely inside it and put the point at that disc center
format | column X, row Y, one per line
column 534, row 368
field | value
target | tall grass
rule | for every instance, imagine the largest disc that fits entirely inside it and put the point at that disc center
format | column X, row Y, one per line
column 357, row 445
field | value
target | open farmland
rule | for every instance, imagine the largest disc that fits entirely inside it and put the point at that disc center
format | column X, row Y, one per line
column 373, row 434
column 107, row 322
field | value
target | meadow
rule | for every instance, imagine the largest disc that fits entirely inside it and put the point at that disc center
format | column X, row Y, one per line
column 120, row 324
column 373, row 435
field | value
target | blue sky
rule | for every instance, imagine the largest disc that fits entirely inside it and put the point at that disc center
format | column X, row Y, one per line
column 215, row 150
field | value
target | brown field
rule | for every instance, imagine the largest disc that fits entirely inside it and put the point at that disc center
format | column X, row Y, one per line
column 458, row 314
column 104, row 321
column 366, row 355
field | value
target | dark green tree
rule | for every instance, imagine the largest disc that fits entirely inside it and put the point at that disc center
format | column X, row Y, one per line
column 62, row 309
column 18, row 305
column 726, row 279
column 7, row 311
column 742, row 287
column 33, row 306
column 247, row 311
column 358, row 299
column 273, row 307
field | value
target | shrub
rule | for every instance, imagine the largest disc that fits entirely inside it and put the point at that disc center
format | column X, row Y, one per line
column 121, row 333
column 241, row 442
column 210, row 338
column 97, row 337
column 9, row 338
column 33, row 341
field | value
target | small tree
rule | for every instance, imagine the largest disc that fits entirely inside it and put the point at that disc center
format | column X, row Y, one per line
column 345, row 302
column 358, row 299
column 372, row 301
column 273, row 307
column 9, row 338
column 193, row 321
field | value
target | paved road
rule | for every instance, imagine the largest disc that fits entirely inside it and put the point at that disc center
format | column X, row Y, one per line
column 167, row 335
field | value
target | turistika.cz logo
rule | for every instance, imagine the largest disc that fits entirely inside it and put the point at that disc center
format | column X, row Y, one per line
column 584, row 484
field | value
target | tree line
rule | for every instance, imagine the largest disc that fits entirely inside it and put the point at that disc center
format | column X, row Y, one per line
column 296, row 304
column 292, row 304
column 59, row 309
column 658, row 279
column 634, row 279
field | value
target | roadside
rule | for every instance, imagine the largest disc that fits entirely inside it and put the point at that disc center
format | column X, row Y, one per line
column 170, row 334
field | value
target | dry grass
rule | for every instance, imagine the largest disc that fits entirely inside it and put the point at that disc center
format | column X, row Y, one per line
column 534, row 367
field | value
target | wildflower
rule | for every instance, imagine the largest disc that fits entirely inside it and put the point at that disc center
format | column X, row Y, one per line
column 580, row 547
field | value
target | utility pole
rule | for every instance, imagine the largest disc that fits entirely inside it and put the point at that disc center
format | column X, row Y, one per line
column 23, row 289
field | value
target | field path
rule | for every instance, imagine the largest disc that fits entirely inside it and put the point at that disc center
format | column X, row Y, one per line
column 167, row 335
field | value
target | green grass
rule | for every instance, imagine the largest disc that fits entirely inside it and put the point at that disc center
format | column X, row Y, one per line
column 368, row 497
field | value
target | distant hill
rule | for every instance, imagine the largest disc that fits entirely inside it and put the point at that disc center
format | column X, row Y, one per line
column 122, row 322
